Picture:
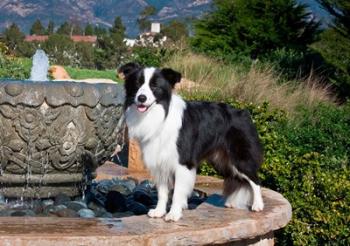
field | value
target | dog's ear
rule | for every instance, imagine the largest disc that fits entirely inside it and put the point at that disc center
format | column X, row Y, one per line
column 172, row 76
column 127, row 69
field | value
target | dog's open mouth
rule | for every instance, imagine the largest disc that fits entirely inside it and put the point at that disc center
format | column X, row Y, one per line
column 142, row 108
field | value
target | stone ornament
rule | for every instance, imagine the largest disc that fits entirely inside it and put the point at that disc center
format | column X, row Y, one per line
column 53, row 135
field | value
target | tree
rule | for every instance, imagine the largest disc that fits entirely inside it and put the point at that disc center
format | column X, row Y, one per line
column 60, row 49
column 50, row 28
column 13, row 38
column 99, row 31
column 76, row 29
column 175, row 30
column 254, row 27
column 37, row 28
column 142, row 21
column 340, row 10
column 118, row 26
column 64, row 29
column 334, row 45
column 89, row 30
column 111, row 46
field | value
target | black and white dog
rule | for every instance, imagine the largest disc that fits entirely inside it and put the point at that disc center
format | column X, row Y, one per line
column 176, row 135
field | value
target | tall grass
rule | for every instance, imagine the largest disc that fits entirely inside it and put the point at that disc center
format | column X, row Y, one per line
column 256, row 84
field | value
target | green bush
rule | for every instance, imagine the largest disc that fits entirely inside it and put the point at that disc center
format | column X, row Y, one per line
column 292, row 64
column 306, row 160
column 150, row 56
column 335, row 50
column 14, row 68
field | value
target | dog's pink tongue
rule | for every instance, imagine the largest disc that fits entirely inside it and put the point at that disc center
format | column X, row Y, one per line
column 141, row 108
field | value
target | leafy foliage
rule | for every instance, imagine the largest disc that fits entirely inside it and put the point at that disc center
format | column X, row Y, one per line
column 150, row 56
column 175, row 30
column 254, row 27
column 37, row 28
column 143, row 20
column 64, row 29
column 13, row 68
column 340, row 10
column 334, row 45
column 50, row 28
column 111, row 46
column 13, row 38
column 60, row 49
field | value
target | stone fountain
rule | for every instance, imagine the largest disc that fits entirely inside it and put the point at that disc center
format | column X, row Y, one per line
column 53, row 135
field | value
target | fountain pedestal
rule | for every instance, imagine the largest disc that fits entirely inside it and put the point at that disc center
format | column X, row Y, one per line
column 53, row 135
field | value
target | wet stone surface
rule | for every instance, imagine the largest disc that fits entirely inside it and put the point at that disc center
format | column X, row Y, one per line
column 103, row 199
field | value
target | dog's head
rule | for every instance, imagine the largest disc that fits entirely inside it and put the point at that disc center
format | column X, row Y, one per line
column 146, row 86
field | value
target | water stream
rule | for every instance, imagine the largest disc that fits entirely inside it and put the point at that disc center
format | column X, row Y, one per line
column 40, row 66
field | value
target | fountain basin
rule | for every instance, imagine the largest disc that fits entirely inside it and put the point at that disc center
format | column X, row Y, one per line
column 208, row 224
column 53, row 135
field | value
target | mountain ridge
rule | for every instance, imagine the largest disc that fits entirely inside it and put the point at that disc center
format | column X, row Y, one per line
column 102, row 12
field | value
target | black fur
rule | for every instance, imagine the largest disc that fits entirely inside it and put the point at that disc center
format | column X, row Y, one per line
column 223, row 136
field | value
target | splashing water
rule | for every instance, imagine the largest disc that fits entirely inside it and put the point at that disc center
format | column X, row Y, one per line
column 40, row 66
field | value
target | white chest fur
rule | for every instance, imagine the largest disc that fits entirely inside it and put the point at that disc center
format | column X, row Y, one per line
column 157, row 135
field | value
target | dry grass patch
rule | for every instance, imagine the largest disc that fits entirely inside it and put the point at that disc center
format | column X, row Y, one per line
column 257, row 85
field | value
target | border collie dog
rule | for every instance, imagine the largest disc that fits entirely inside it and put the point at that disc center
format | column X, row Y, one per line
column 176, row 135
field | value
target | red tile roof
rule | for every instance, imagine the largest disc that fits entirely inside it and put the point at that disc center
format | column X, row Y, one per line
column 36, row 38
column 86, row 39
column 75, row 38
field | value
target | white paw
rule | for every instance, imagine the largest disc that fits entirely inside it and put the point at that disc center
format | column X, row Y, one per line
column 156, row 213
column 235, row 204
column 258, row 205
column 173, row 215
column 229, row 205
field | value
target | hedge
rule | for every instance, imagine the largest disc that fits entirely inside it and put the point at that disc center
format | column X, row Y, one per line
column 306, row 160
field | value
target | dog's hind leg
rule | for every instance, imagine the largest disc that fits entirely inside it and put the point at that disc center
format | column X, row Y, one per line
column 243, row 193
column 258, row 204
column 184, row 184
column 237, row 192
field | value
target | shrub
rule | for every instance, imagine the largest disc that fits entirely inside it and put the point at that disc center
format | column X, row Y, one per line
column 307, row 160
column 293, row 64
column 14, row 68
column 150, row 56
column 335, row 50
column 61, row 50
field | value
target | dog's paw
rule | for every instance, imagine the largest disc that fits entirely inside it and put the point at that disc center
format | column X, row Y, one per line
column 258, row 205
column 236, row 205
column 156, row 213
column 173, row 215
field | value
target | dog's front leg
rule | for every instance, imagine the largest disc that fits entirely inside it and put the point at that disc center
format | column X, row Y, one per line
column 184, row 183
column 163, row 193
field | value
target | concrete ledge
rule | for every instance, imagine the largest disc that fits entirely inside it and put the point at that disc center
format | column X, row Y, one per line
column 205, row 225
column 208, row 224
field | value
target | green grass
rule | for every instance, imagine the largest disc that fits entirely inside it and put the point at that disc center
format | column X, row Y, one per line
column 77, row 73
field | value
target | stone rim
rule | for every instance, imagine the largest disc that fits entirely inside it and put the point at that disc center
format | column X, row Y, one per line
column 205, row 225
column 58, row 93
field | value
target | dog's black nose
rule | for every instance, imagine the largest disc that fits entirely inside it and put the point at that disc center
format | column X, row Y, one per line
column 141, row 98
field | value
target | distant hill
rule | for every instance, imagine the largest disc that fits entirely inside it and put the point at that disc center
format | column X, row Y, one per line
column 102, row 12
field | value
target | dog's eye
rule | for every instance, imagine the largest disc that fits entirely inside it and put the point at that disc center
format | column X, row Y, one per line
column 155, row 88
